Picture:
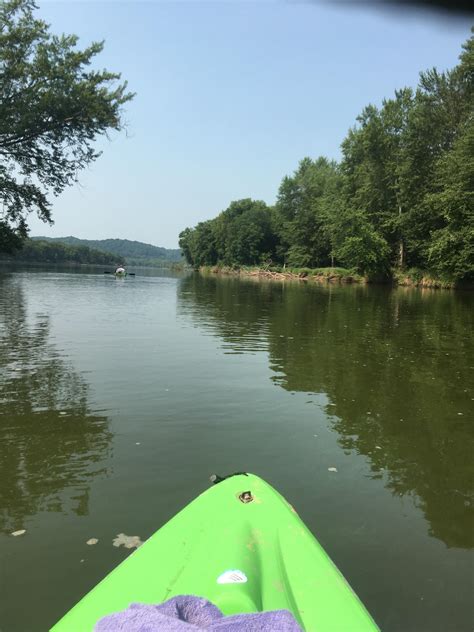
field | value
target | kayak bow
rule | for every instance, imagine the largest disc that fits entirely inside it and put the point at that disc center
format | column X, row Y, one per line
column 243, row 547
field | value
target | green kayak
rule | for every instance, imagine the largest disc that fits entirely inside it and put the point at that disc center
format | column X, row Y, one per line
column 241, row 546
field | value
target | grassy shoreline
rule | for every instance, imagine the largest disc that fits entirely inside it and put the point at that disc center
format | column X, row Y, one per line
column 407, row 278
column 319, row 275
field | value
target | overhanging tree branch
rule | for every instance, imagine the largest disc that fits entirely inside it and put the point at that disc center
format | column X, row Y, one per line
column 52, row 108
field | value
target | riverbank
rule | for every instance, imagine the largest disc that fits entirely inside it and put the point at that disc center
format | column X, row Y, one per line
column 318, row 275
column 423, row 279
column 407, row 278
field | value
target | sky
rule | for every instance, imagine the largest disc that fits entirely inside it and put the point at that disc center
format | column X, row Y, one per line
column 230, row 96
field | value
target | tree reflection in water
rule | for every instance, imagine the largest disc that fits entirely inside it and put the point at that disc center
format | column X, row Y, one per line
column 395, row 366
column 52, row 445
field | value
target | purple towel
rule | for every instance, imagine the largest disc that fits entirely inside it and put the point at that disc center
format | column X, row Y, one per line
column 186, row 613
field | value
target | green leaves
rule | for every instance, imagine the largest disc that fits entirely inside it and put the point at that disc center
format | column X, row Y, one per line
column 303, row 209
column 363, row 249
column 52, row 108
column 240, row 235
column 450, row 250
column 397, row 174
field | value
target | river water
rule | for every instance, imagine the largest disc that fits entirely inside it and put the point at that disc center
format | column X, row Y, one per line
column 119, row 397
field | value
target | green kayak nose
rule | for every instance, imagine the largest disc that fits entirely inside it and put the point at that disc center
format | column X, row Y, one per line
column 240, row 545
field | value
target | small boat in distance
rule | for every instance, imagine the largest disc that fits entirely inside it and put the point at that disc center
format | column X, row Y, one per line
column 120, row 272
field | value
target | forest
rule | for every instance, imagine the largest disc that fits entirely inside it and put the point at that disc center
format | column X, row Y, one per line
column 135, row 252
column 400, row 199
column 38, row 251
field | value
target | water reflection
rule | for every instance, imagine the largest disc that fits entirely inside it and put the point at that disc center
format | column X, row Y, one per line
column 232, row 307
column 395, row 365
column 51, row 443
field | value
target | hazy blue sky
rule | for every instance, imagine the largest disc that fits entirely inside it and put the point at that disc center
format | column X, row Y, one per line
column 230, row 96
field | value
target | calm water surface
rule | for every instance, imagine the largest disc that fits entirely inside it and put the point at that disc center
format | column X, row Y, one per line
column 118, row 398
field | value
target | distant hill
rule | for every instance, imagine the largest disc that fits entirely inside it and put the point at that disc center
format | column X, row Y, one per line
column 134, row 252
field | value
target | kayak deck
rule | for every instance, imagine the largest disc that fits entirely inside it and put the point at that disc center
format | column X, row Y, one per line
column 280, row 564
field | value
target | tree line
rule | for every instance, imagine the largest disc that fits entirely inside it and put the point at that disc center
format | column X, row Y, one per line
column 55, row 252
column 135, row 252
column 400, row 197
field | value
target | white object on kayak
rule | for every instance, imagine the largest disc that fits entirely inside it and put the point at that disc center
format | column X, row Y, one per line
column 232, row 577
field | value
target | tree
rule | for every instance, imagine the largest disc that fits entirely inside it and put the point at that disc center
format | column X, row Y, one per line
column 186, row 244
column 303, row 204
column 198, row 244
column 52, row 108
column 450, row 250
column 448, row 204
column 358, row 245
column 241, row 235
column 374, row 167
column 244, row 233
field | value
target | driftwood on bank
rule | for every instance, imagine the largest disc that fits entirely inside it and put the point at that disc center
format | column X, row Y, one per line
column 261, row 273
